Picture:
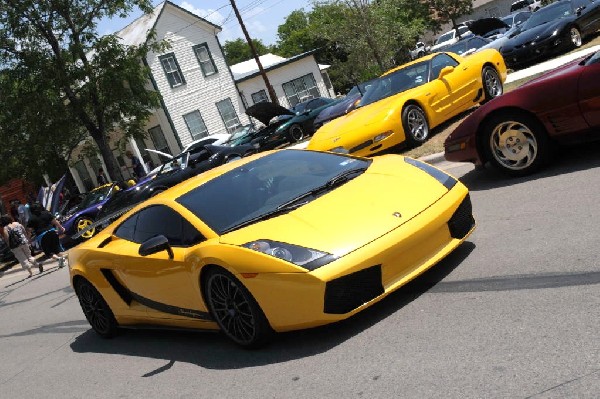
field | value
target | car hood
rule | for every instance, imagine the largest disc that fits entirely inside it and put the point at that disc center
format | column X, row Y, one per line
column 485, row 25
column 388, row 195
column 538, row 32
column 266, row 111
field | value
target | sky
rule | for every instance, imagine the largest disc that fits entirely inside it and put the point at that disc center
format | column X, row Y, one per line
column 262, row 17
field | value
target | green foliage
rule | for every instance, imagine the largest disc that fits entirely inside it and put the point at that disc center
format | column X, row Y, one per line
column 238, row 50
column 66, row 81
column 450, row 10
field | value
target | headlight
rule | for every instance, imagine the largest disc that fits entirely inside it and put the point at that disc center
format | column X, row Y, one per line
column 445, row 179
column 307, row 258
column 382, row 136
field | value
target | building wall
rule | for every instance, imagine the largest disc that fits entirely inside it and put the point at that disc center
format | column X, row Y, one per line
column 279, row 76
column 200, row 93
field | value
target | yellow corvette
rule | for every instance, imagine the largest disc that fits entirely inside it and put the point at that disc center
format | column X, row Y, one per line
column 278, row 241
column 403, row 104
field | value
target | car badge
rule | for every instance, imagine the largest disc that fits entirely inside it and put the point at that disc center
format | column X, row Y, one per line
column 397, row 214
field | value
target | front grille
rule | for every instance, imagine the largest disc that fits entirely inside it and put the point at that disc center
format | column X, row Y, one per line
column 349, row 292
column 462, row 221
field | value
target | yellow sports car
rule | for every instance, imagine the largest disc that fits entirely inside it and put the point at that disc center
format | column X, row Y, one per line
column 403, row 104
column 278, row 241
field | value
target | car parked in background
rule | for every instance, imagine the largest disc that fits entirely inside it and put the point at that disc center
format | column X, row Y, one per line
column 553, row 29
column 345, row 105
column 406, row 102
column 517, row 131
column 468, row 45
column 450, row 37
column 419, row 51
column 531, row 5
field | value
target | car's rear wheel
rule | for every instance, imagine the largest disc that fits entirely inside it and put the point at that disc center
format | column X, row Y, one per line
column 235, row 310
column 575, row 37
column 83, row 223
column 517, row 144
column 492, row 84
column 415, row 124
column 296, row 132
column 96, row 310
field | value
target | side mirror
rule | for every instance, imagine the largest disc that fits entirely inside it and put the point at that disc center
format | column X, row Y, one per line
column 445, row 71
column 154, row 245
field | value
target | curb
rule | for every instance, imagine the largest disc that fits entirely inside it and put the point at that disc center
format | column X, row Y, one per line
column 433, row 159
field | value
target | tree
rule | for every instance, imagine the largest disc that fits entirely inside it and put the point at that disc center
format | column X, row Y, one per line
column 238, row 50
column 99, row 84
column 450, row 10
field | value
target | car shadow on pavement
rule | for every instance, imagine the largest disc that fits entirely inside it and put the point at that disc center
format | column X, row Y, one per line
column 567, row 159
column 214, row 351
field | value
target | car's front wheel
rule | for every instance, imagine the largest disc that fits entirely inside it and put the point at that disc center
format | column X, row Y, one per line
column 96, row 310
column 492, row 84
column 415, row 124
column 235, row 310
column 516, row 144
column 575, row 37
column 296, row 132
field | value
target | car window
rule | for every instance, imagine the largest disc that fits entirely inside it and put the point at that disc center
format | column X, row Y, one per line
column 175, row 164
column 462, row 30
column 127, row 228
column 439, row 62
column 396, row 82
column 521, row 17
column 445, row 37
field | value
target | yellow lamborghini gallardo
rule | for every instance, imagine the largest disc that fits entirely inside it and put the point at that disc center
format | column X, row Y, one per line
column 278, row 241
column 402, row 105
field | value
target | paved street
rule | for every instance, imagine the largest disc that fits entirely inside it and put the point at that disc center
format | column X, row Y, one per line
column 514, row 313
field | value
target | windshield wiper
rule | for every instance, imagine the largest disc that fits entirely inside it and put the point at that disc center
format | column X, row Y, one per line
column 300, row 200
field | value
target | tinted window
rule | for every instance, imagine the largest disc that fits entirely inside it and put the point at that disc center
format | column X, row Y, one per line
column 521, row 17
column 439, row 62
column 127, row 228
column 396, row 82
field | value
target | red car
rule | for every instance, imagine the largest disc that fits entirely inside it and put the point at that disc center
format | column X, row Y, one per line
column 516, row 131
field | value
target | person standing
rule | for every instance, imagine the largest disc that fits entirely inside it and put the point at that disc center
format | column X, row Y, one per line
column 101, row 177
column 47, row 230
column 138, row 168
column 17, row 240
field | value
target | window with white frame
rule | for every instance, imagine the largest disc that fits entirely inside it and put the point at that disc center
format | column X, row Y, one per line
column 195, row 125
column 260, row 97
column 228, row 114
column 207, row 64
column 172, row 70
column 301, row 89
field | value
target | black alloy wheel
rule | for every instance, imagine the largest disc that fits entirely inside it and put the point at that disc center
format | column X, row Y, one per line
column 96, row 310
column 235, row 310
column 296, row 132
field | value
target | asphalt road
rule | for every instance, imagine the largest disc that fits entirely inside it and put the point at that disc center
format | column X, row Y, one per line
column 513, row 313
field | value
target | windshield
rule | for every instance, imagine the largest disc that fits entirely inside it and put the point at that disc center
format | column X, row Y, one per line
column 95, row 196
column 175, row 164
column 445, row 37
column 269, row 184
column 548, row 14
column 396, row 82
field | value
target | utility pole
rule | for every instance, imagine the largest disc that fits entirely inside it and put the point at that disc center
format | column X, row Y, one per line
column 255, row 53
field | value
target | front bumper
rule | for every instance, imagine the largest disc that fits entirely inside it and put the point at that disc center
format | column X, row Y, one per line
column 529, row 53
column 361, row 278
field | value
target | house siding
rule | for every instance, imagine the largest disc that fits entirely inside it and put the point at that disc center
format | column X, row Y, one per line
column 201, row 93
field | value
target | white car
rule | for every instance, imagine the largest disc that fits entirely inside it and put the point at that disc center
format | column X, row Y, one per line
column 450, row 37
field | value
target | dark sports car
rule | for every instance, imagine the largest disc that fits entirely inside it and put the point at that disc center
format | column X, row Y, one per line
column 179, row 168
column 515, row 132
column 553, row 29
column 345, row 105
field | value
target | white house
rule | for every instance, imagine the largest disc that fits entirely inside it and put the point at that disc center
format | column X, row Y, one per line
column 294, row 79
column 199, row 95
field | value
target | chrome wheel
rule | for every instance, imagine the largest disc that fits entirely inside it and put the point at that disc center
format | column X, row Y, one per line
column 492, row 84
column 514, row 146
column 415, row 124
column 232, row 308
column 83, row 224
column 575, row 37
column 96, row 310
column 296, row 132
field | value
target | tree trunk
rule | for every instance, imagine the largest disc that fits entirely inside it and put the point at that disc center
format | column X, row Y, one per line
column 112, row 168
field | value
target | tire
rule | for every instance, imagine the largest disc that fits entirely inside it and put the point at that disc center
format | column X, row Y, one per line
column 235, row 310
column 575, row 37
column 492, row 84
column 81, row 224
column 96, row 310
column 517, row 144
column 296, row 133
column 414, row 122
